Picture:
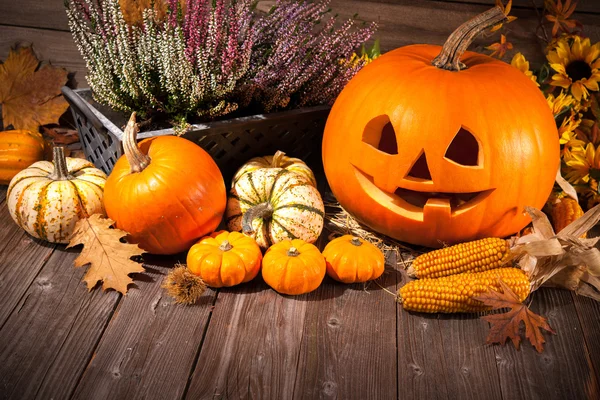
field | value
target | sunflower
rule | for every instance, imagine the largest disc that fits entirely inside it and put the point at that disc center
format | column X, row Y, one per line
column 589, row 131
column 519, row 62
column 560, row 103
column 576, row 65
column 581, row 166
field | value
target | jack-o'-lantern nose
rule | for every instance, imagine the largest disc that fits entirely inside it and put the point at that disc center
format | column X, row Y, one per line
column 420, row 169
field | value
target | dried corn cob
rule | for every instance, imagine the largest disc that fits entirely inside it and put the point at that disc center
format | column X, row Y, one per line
column 476, row 256
column 563, row 211
column 455, row 293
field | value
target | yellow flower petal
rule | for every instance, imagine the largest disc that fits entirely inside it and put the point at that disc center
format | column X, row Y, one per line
column 559, row 68
column 590, row 84
column 576, row 90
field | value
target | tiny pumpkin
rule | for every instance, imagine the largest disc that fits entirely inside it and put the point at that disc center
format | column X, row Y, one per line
column 274, row 204
column 18, row 150
column 351, row 260
column 279, row 160
column 48, row 198
column 225, row 259
column 167, row 193
column 293, row 267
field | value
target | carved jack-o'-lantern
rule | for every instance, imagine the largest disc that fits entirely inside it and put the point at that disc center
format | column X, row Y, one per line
column 429, row 150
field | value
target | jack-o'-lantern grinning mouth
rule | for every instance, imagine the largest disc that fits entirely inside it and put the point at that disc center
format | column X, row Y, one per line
column 457, row 202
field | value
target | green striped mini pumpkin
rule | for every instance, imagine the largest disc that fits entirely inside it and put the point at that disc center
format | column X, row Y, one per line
column 274, row 204
column 47, row 199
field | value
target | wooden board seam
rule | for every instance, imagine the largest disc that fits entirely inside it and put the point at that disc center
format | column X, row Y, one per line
column 91, row 356
column 585, row 341
column 21, row 302
column 197, row 355
column 34, row 27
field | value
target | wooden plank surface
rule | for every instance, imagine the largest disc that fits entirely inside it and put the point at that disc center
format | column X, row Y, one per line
column 21, row 259
column 3, row 189
column 345, row 354
column 562, row 371
column 49, row 338
column 252, row 345
column 48, row 14
column 422, row 366
column 52, row 15
column 471, row 363
column 407, row 22
column 583, row 6
column 401, row 22
column 55, row 47
column 588, row 311
column 149, row 348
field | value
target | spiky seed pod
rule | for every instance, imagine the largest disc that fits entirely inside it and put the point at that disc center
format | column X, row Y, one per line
column 183, row 286
column 476, row 256
column 456, row 293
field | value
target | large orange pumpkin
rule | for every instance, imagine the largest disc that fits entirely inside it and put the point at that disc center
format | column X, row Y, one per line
column 429, row 150
column 166, row 193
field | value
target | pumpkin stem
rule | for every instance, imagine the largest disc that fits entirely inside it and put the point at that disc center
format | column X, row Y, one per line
column 137, row 160
column 461, row 38
column 293, row 252
column 262, row 210
column 61, row 172
column 277, row 161
column 225, row 246
column 356, row 241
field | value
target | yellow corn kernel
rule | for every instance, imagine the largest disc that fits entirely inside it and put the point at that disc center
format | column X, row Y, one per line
column 476, row 256
column 455, row 293
column 563, row 211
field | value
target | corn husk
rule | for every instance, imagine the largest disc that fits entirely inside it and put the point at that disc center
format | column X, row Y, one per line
column 560, row 260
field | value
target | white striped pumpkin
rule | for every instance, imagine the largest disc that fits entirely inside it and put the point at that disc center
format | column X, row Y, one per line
column 274, row 204
column 279, row 160
column 48, row 198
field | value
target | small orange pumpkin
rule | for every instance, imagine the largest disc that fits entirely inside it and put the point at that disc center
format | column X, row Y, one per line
column 18, row 150
column 167, row 193
column 350, row 260
column 225, row 259
column 293, row 267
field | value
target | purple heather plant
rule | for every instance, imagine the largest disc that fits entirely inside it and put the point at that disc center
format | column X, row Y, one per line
column 211, row 57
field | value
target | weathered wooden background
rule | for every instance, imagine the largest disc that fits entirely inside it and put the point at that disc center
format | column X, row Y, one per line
column 401, row 22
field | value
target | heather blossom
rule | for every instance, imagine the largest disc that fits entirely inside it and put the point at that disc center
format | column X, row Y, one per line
column 211, row 57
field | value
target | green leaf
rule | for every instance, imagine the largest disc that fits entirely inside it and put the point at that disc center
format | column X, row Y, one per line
column 595, row 107
column 375, row 50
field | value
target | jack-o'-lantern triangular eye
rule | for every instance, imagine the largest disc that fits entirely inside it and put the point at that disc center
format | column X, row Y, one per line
column 380, row 134
column 464, row 149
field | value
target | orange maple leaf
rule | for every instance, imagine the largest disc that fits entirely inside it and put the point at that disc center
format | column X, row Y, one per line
column 133, row 10
column 500, row 49
column 506, row 10
column 29, row 96
column 559, row 13
column 508, row 325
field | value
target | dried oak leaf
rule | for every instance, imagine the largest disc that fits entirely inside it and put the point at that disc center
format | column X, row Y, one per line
column 61, row 136
column 507, row 325
column 109, row 259
column 29, row 96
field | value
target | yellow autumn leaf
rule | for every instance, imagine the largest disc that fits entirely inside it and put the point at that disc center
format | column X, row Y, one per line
column 30, row 96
